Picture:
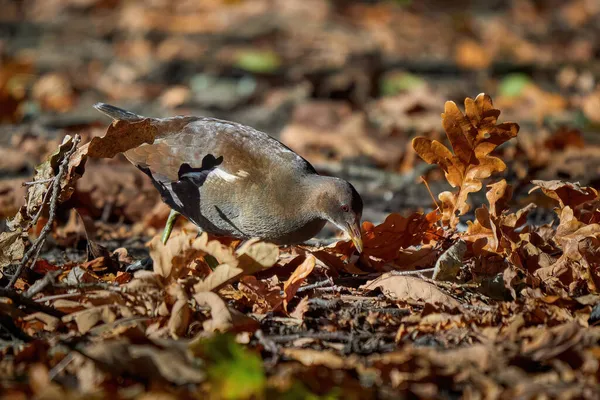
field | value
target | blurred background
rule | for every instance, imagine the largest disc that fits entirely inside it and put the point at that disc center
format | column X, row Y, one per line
column 346, row 84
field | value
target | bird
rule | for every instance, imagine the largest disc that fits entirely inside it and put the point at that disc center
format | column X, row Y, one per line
column 232, row 180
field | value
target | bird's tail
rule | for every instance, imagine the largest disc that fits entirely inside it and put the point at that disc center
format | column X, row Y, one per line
column 117, row 113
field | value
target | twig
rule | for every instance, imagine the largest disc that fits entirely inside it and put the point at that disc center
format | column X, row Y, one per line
column 40, row 285
column 24, row 301
column 267, row 343
column 57, row 369
column 418, row 272
column 39, row 242
column 332, row 336
column 57, row 296
column 39, row 213
column 37, row 182
column 328, row 282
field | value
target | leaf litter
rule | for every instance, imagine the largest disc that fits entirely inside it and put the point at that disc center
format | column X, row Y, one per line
column 507, row 313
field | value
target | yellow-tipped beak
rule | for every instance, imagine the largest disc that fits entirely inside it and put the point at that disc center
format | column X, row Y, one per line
column 354, row 233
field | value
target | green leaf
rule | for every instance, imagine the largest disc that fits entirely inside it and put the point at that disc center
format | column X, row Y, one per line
column 234, row 372
column 512, row 85
column 396, row 82
column 258, row 61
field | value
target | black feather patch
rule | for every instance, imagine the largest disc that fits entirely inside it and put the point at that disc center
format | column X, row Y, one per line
column 199, row 175
column 183, row 195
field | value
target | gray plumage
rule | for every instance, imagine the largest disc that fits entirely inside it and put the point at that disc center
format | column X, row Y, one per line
column 233, row 180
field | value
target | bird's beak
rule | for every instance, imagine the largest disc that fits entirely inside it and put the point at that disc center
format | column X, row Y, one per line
column 353, row 231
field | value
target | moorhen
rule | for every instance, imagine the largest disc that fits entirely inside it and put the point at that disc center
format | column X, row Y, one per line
column 232, row 180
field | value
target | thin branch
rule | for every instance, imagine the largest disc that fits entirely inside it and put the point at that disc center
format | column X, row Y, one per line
column 329, row 336
column 39, row 242
column 21, row 300
column 327, row 282
column 37, row 182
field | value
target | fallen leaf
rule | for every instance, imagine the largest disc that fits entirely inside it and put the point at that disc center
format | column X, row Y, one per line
column 566, row 193
column 181, row 314
column 473, row 137
column 310, row 357
column 297, row 278
column 12, row 247
column 448, row 265
column 122, row 136
column 403, row 287
column 223, row 318
column 169, row 363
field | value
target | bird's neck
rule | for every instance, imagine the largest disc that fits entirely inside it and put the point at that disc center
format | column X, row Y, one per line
column 314, row 193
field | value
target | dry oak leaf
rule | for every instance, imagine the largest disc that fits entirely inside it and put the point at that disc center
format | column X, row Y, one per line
column 253, row 256
column 494, row 229
column 385, row 240
column 264, row 295
column 122, row 136
column 12, row 247
column 406, row 288
column 224, row 318
column 311, row 357
column 88, row 318
column 181, row 314
column 290, row 287
column 170, row 363
column 566, row 193
column 473, row 136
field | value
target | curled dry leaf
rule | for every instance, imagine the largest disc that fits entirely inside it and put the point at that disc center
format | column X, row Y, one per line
column 181, row 313
column 223, row 318
column 403, row 287
column 566, row 193
column 122, row 136
column 265, row 295
column 88, row 318
column 223, row 274
column 473, row 136
column 310, row 357
column 385, row 241
column 298, row 276
column 12, row 247
column 254, row 255
column 448, row 265
column 495, row 229
column 152, row 362
column 172, row 258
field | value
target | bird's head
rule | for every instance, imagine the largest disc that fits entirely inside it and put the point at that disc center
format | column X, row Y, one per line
column 341, row 205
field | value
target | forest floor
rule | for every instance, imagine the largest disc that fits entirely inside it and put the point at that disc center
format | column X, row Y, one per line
column 480, row 272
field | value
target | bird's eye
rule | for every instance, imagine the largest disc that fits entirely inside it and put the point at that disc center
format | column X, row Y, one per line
column 345, row 208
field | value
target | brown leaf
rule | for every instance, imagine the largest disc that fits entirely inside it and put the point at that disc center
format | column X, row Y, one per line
column 498, row 196
column 473, row 136
column 298, row 276
column 301, row 308
column 223, row 274
column 566, row 193
column 221, row 320
column 264, row 295
column 403, row 287
column 12, row 247
column 181, row 313
column 87, row 319
column 448, row 265
column 255, row 255
column 386, row 240
column 310, row 357
column 224, row 319
column 170, row 363
column 122, row 136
